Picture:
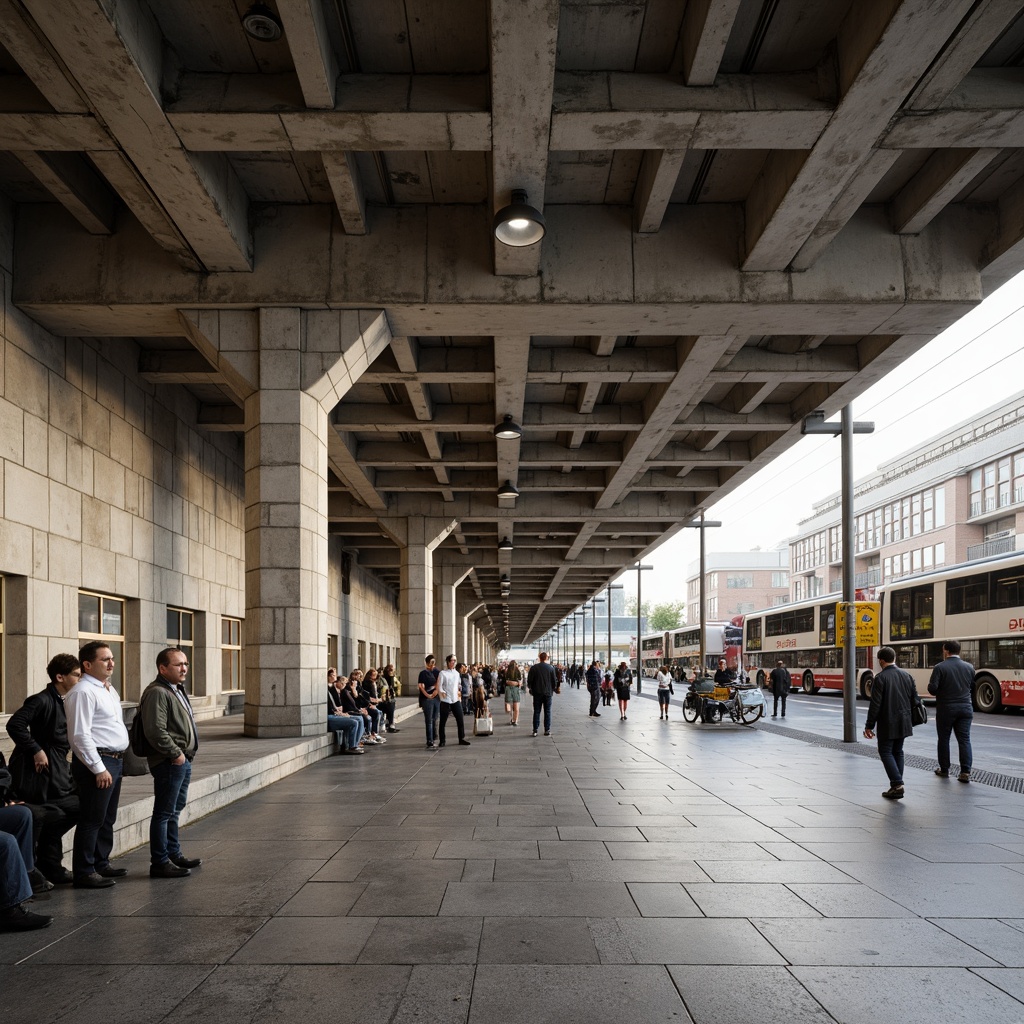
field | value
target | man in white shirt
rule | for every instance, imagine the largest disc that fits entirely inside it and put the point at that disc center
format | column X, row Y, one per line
column 98, row 739
column 450, row 684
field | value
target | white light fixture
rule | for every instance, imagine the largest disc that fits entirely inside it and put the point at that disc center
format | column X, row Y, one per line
column 261, row 23
column 519, row 224
column 508, row 429
column 508, row 490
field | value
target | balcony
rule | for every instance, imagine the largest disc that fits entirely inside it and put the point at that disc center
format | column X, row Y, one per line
column 988, row 548
column 861, row 580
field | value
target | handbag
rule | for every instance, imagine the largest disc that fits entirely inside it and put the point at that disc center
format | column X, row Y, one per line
column 918, row 713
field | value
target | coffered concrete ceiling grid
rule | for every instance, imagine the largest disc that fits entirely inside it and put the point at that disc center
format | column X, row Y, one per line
column 755, row 209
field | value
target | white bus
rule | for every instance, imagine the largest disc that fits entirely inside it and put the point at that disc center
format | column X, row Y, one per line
column 803, row 636
column 981, row 604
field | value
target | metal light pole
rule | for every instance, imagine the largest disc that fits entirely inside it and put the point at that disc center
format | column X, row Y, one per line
column 609, row 589
column 639, row 606
column 703, row 524
column 593, row 625
column 587, row 606
column 815, row 423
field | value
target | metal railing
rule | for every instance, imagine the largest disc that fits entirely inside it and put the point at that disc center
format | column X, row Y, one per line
column 988, row 548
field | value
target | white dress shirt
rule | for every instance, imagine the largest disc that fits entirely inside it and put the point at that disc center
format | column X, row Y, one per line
column 95, row 721
column 451, row 685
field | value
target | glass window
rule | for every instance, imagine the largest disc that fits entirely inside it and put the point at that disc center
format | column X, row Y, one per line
column 1008, row 588
column 739, row 582
column 179, row 634
column 780, row 579
column 912, row 613
column 1001, row 654
column 793, row 620
column 230, row 654
column 102, row 618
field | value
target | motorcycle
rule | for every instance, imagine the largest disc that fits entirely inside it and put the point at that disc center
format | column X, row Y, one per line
column 742, row 703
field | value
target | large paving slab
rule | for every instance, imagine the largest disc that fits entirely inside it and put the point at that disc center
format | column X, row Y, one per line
column 599, row 874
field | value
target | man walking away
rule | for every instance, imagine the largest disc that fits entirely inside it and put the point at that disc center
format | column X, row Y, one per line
column 170, row 729
column 781, row 682
column 98, row 740
column 541, row 683
column 893, row 694
column 594, row 688
column 951, row 684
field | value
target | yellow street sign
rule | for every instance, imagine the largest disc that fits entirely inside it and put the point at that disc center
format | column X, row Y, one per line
column 867, row 616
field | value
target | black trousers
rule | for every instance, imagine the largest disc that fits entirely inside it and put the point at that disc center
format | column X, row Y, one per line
column 50, row 821
column 94, row 837
column 594, row 695
column 456, row 710
column 775, row 705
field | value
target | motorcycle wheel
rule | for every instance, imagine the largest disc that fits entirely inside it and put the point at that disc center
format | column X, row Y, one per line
column 751, row 715
column 690, row 711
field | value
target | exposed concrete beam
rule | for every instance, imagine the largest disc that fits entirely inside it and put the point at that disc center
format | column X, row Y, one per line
column 305, row 27
column 178, row 367
column 511, row 359
column 659, row 171
column 735, row 453
column 73, row 183
column 707, row 25
column 343, row 177
column 117, row 57
column 927, row 194
column 362, row 483
column 228, row 418
column 478, row 418
column 27, row 45
column 523, row 38
column 879, row 63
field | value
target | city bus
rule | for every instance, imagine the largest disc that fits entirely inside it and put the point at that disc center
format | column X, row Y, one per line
column 981, row 604
column 680, row 648
column 803, row 636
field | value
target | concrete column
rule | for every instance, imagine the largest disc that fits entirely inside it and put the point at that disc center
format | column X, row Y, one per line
column 292, row 367
column 446, row 581
column 465, row 606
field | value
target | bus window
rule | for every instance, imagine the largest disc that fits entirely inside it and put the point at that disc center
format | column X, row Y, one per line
column 827, row 625
column 908, row 656
column 967, row 594
column 1001, row 654
column 794, row 620
column 753, row 635
column 924, row 612
column 912, row 615
column 1008, row 588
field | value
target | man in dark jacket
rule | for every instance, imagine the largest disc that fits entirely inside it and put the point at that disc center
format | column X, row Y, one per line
column 40, row 773
column 541, row 683
column 951, row 683
column 594, row 688
column 893, row 693
column 781, row 682
column 170, row 729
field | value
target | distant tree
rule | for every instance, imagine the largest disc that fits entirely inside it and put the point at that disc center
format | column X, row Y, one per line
column 645, row 610
column 667, row 615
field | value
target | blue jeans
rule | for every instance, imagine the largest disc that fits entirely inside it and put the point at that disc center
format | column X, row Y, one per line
column 956, row 719
column 891, row 754
column 97, row 812
column 542, row 703
column 170, row 791
column 15, row 855
column 431, row 718
column 349, row 729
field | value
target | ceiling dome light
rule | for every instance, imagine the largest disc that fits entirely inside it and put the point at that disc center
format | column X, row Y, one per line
column 262, row 23
column 505, row 544
column 508, row 429
column 508, row 490
column 519, row 223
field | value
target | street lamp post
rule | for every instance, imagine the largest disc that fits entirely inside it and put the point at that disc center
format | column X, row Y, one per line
column 639, row 605
column 845, row 429
column 593, row 624
column 609, row 589
column 702, row 524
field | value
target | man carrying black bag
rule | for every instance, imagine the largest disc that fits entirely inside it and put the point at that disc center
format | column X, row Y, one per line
column 893, row 695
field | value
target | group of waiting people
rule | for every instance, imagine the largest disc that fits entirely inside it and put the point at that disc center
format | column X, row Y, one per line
column 65, row 772
column 361, row 707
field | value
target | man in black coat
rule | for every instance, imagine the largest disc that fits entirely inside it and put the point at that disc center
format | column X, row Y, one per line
column 781, row 682
column 39, row 766
column 951, row 684
column 541, row 683
column 893, row 693
column 594, row 688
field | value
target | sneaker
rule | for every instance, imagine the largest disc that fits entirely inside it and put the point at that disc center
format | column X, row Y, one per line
column 943, row 773
column 894, row 793
column 964, row 777
column 18, row 919
column 547, row 733
column 534, row 734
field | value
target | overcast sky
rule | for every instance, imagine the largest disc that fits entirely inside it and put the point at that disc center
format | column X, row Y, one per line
column 975, row 364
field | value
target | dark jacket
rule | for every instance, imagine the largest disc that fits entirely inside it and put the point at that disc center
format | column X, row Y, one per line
column 169, row 726
column 782, row 681
column 541, row 680
column 892, row 694
column 951, row 683
column 40, row 724
column 594, row 678
column 428, row 682
column 725, row 677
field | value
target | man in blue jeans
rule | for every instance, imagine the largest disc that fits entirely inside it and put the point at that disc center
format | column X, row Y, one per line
column 951, row 683
column 170, row 729
column 15, row 864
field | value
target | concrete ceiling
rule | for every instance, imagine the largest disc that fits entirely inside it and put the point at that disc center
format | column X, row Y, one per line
column 755, row 209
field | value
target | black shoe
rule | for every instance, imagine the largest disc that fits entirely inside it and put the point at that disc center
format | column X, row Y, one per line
column 547, row 734
column 93, row 881
column 109, row 872
column 39, row 882
column 61, row 877
column 894, row 793
column 964, row 777
column 463, row 743
column 167, row 870
column 442, row 743
column 943, row 773
column 186, row 862
column 18, row 919
column 534, row 734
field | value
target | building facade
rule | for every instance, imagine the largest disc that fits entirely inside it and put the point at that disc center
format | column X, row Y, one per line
column 737, row 582
column 956, row 498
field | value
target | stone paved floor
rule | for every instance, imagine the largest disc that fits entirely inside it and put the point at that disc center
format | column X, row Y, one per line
column 638, row 870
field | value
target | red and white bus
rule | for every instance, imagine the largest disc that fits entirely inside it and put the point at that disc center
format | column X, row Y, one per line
column 803, row 636
column 680, row 648
column 981, row 604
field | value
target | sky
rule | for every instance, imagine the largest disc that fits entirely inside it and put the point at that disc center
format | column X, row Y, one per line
column 975, row 364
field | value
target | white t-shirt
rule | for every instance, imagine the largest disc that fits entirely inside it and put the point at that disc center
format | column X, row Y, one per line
column 451, row 685
column 664, row 680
